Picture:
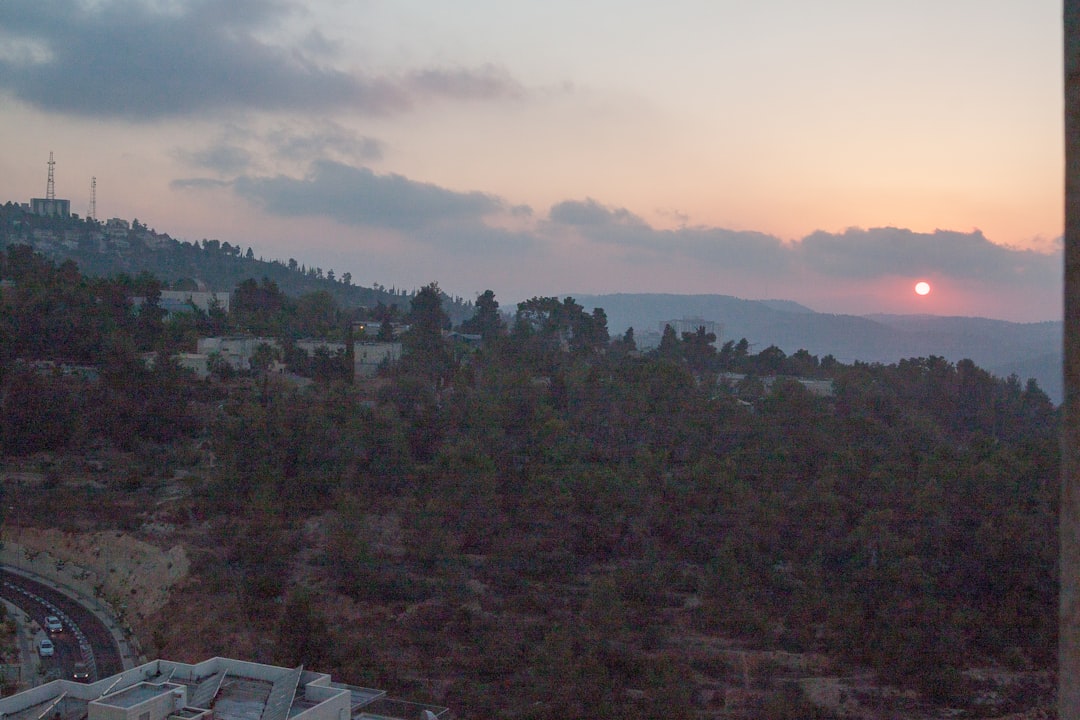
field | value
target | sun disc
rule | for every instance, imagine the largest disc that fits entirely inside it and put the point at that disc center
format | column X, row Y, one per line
column 922, row 288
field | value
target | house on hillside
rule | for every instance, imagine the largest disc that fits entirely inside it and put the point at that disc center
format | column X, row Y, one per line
column 819, row 388
column 310, row 346
column 369, row 356
column 370, row 329
column 237, row 351
column 181, row 300
column 197, row 363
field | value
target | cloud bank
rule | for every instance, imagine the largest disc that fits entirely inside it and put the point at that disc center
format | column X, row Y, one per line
column 357, row 196
column 474, row 225
column 855, row 254
column 139, row 61
column 877, row 252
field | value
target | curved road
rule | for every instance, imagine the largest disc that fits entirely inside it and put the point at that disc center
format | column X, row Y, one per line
column 84, row 637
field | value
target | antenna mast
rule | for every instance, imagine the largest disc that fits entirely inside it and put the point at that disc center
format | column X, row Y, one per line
column 50, row 188
column 93, row 199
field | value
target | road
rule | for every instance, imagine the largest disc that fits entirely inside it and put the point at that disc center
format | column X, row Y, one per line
column 84, row 637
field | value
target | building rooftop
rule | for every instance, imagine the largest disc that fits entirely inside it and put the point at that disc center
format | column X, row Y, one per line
column 241, row 699
column 135, row 695
column 229, row 689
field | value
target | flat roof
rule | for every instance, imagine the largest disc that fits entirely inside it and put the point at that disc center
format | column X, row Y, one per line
column 241, row 698
column 46, row 706
column 134, row 695
column 359, row 696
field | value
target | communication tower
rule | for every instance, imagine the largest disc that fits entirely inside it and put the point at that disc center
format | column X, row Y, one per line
column 93, row 199
column 49, row 205
column 50, row 187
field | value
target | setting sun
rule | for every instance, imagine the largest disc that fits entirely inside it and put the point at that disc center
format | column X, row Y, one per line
column 922, row 288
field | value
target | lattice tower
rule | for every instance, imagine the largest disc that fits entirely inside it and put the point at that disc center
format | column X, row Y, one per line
column 50, row 187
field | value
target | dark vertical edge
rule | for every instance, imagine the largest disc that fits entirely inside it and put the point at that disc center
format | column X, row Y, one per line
column 1069, row 530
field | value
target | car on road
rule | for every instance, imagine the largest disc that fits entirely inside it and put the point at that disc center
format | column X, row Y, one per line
column 45, row 648
column 80, row 672
column 53, row 624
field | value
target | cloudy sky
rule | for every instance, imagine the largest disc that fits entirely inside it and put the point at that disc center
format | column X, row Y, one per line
column 831, row 152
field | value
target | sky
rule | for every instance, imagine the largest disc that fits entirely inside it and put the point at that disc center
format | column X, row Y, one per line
column 832, row 153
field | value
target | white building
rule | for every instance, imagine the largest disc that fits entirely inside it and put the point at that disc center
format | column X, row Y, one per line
column 198, row 363
column 236, row 351
column 201, row 300
column 50, row 207
column 369, row 356
column 310, row 347
column 215, row 689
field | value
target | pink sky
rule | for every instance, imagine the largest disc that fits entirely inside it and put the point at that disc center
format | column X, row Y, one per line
column 805, row 151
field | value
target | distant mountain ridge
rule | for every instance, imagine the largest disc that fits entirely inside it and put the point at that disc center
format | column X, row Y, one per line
column 1030, row 350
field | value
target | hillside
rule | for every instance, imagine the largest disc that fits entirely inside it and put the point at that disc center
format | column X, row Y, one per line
column 1031, row 350
column 550, row 524
column 104, row 251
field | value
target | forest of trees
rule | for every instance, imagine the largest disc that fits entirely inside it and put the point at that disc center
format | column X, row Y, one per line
column 906, row 523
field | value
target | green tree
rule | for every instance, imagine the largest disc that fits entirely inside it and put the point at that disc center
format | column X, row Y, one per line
column 386, row 331
column 770, row 361
column 740, row 352
column 425, row 350
column 669, row 345
column 257, row 307
column 317, row 315
column 487, row 321
column 698, row 349
column 264, row 357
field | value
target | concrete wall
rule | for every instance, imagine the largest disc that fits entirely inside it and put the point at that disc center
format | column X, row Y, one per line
column 333, row 704
column 170, row 698
column 199, row 363
column 237, row 351
column 368, row 356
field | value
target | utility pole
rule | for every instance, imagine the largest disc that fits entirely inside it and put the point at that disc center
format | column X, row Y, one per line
column 1069, row 519
column 92, row 215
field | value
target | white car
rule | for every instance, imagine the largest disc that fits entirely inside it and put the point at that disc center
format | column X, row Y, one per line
column 45, row 648
column 53, row 624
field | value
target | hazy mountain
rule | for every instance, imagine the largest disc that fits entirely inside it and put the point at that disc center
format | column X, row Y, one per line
column 1002, row 347
column 787, row 306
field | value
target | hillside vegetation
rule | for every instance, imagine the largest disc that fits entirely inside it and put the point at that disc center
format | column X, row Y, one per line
column 189, row 265
column 553, row 524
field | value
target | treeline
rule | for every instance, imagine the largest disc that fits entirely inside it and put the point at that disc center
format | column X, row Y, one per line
column 545, row 519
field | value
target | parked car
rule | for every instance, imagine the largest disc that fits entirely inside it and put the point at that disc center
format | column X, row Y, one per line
column 80, row 672
column 45, row 647
column 53, row 624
